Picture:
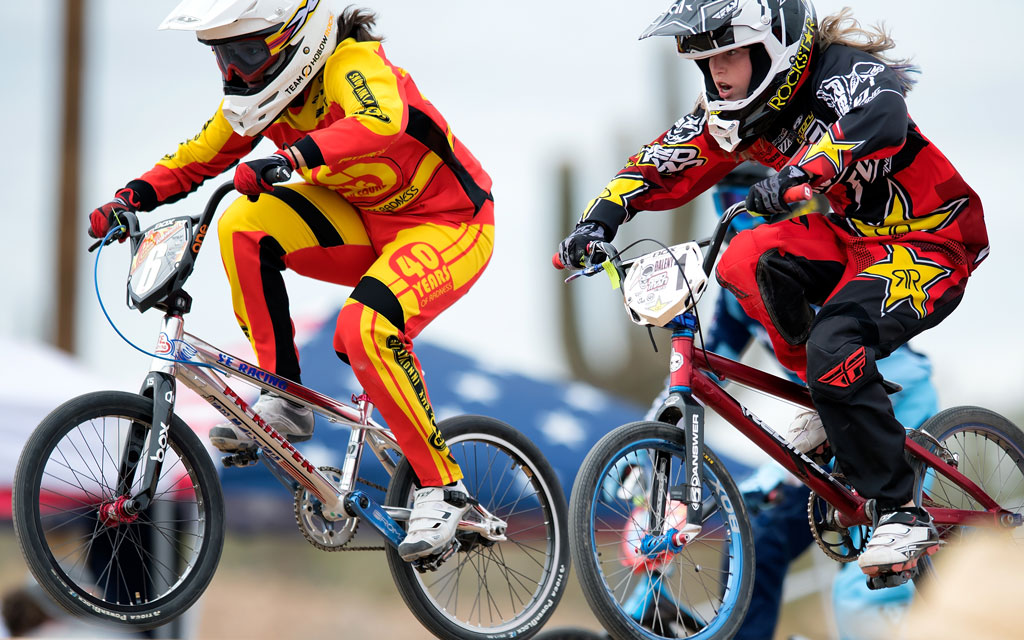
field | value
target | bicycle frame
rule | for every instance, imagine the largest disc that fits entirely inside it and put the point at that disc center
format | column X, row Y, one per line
column 174, row 342
column 685, row 386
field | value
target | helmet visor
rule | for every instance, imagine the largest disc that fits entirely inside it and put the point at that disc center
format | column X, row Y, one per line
column 248, row 58
column 706, row 42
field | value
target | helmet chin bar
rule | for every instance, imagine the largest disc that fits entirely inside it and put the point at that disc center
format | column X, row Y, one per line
column 725, row 132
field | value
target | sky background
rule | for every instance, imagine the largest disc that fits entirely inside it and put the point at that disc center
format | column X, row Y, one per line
column 526, row 86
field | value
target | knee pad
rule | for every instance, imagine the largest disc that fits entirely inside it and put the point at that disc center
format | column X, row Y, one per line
column 838, row 363
column 784, row 297
column 369, row 293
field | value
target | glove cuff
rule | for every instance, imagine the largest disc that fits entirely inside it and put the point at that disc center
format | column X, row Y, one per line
column 311, row 153
column 143, row 195
column 289, row 156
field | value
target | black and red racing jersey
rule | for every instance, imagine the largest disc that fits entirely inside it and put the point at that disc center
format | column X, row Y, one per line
column 848, row 127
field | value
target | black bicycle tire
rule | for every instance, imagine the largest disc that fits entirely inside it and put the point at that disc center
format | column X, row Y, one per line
column 458, row 429
column 571, row 633
column 946, row 423
column 29, row 530
column 608, row 613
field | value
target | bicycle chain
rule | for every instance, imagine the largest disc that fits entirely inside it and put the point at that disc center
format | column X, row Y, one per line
column 344, row 547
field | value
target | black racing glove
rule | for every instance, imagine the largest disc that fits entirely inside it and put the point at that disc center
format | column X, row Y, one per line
column 572, row 250
column 767, row 197
column 104, row 217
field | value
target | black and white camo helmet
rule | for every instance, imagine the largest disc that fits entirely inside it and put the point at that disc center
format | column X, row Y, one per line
column 781, row 36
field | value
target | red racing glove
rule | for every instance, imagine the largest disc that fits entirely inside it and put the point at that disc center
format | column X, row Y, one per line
column 258, row 176
column 104, row 217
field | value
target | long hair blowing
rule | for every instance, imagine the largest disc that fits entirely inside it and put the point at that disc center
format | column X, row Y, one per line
column 842, row 28
column 358, row 23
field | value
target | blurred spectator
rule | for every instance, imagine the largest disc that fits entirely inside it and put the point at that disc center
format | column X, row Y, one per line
column 22, row 612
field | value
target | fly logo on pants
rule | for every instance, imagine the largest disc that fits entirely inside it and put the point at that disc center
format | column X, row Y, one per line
column 848, row 371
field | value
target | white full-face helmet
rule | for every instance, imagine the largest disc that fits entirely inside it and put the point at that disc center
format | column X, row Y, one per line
column 268, row 51
column 781, row 36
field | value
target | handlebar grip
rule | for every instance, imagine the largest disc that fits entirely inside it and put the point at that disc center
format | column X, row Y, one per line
column 556, row 262
column 277, row 174
column 798, row 193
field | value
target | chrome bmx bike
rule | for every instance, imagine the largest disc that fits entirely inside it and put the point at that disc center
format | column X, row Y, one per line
column 119, row 513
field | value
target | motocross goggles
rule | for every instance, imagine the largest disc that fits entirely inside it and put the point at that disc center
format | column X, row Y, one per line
column 245, row 59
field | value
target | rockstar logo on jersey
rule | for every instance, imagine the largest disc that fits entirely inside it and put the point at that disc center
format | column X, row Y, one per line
column 899, row 216
column 830, row 149
column 907, row 279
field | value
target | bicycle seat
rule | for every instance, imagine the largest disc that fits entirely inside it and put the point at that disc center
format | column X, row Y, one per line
column 891, row 387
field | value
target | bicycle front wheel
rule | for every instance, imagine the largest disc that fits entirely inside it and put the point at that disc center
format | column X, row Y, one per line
column 491, row 590
column 135, row 573
column 700, row 592
column 985, row 447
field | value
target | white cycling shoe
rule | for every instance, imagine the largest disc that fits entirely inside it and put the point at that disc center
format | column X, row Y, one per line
column 290, row 420
column 807, row 435
column 435, row 517
column 899, row 541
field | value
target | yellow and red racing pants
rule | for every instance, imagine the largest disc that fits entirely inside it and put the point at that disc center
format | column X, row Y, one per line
column 405, row 272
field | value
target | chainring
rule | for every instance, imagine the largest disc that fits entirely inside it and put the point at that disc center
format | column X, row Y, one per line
column 324, row 534
column 835, row 540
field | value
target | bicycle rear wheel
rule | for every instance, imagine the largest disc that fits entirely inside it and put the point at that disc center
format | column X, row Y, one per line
column 491, row 590
column 701, row 592
column 985, row 447
column 135, row 575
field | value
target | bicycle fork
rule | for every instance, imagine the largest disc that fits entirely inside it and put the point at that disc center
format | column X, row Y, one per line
column 680, row 409
column 159, row 386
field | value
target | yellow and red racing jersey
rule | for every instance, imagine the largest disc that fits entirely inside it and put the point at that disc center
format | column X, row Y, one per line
column 363, row 129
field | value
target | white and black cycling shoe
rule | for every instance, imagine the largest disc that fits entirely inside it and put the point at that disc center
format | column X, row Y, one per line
column 435, row 516
column 807, row 435
column 901, row 538
column 290, row 420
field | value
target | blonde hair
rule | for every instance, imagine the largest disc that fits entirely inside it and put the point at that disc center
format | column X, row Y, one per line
column 842, row 28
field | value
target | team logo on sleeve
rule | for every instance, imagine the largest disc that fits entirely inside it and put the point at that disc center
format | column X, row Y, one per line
column 843, row 93
column 671, row 158
column 365, row 97
column 907, row 277
column 686, row 128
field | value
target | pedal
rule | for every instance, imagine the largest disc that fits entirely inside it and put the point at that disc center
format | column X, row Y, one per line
column 242, row 458
column 431, row 563
column 892, row 579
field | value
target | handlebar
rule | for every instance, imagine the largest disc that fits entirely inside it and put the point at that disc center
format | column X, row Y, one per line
column 131, row 225
column 792, row 195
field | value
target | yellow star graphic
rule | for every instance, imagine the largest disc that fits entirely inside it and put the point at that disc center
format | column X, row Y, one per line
column 899, row 218
column 907, row 277
column 831, row 149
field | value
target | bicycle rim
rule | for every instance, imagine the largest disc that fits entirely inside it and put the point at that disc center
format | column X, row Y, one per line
column 701, row 592
column 989, row 450
column 507, row 587
column 123, row 572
